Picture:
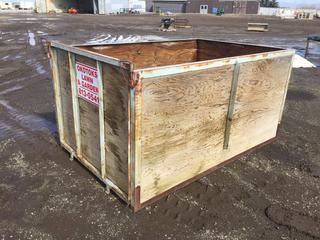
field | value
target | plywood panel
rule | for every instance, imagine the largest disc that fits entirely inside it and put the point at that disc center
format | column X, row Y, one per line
column 261, row 88
column 184, row 116
column 66, row 98
column 146, row 55
column 208, row 50
column 116, row 89
column 89, row 125
column 183, row 123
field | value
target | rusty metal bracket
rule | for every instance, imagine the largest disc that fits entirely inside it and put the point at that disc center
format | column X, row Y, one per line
column 129, row 66
column 232, row 99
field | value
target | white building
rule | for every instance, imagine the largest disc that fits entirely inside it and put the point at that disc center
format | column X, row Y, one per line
column 90, row 6
column 289, row 13
column 5, row 5
column 23, row 5
column 26, row 5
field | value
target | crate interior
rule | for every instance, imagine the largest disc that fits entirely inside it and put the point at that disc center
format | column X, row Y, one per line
column 156, row 54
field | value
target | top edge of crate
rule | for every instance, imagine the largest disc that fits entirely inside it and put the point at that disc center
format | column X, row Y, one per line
column 58, row 44
column 158, row 71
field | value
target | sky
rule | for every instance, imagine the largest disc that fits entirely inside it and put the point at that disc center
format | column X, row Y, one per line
column 299, row 3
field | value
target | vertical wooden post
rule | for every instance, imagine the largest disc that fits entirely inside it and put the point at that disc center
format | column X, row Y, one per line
column 137, row 139
column 57, row 92
column 101, row 121
column 75, row 101
column 286, row 89
column 131, row 146
column 233, row 93
column 307, row 48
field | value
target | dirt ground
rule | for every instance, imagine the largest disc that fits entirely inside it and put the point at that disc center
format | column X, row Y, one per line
column 273, row 193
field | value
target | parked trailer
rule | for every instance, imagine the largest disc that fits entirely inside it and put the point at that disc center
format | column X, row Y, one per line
column 149, row 118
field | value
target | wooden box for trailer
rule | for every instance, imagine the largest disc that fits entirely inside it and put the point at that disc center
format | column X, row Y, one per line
column 149, row 118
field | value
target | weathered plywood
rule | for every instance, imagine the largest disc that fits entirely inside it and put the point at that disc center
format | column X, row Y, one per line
column 146, row 55
column 116, row 89
column 89, row 125
column 184, row 116
column 209, row 50
column 169, row 129
column 183, row 123
column 66, row 99
column 260, row 92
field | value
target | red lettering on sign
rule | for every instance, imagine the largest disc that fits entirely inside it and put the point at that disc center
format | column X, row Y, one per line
column 87, row 82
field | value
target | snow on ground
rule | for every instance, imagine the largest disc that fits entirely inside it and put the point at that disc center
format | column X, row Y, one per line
column 301, row 62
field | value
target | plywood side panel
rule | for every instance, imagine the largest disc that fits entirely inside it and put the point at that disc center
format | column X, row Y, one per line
column 183, row 123
column 89, row 125
column 116, row 90
column 66, row 98
column 184, row 116
column 146, row 55
column 260, row 92
column 208, row 50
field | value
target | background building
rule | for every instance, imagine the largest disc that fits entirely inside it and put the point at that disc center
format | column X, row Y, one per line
column 290, row 13
column 5, row 5
column 204, row 6
column 90, row 6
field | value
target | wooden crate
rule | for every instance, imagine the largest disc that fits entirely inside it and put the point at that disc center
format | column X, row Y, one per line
column 149, row 118
column 258, row 27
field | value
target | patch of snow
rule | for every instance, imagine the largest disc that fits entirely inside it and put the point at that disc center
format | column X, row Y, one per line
column 300, row 62
column 31, row 38
column 103, row 38
column 40, row 69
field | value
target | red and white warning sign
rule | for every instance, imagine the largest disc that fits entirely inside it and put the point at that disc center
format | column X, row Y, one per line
column 87, row 82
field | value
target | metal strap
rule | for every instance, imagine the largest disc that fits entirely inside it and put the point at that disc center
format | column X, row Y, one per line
column 101, row 121
column 233, row 93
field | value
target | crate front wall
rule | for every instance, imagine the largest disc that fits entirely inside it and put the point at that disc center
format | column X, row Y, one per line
column 79, row 123
column 183, row 120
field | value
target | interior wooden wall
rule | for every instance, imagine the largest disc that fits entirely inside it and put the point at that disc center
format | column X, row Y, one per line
column 146, row 55
column 208, row 50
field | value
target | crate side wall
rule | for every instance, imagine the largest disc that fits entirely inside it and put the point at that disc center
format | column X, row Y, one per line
column 184, row 120
column 116, row 90
column 183, row 123
column 63, row 69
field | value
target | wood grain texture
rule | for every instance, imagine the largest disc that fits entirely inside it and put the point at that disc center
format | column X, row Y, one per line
column 89, row 125
column 116, row 89
column 184, row 116
column 66, row 98
column 208, row 50
column 146, row 55
column 183, row 123
column 261, row 88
